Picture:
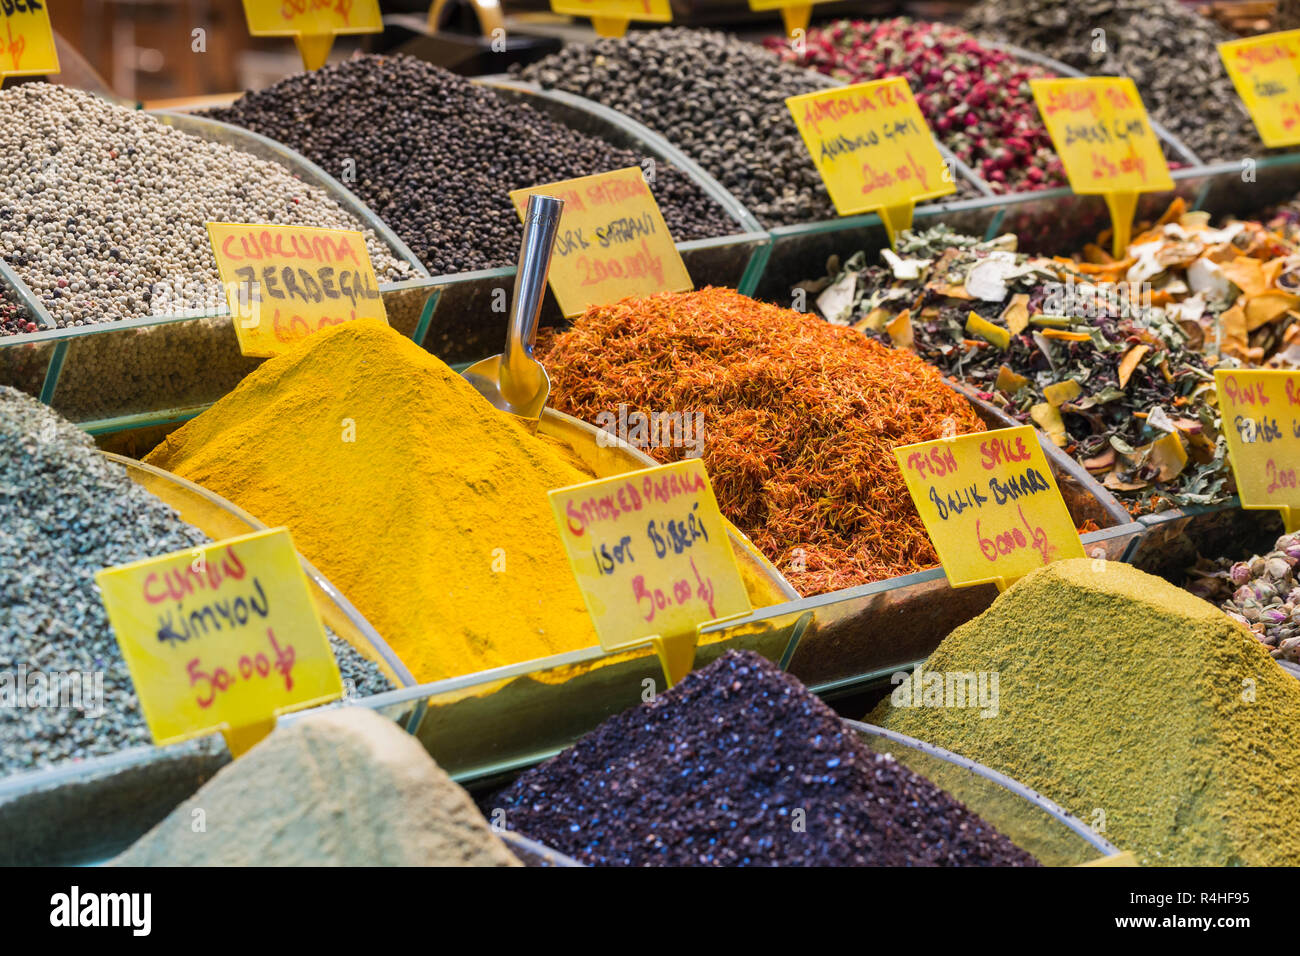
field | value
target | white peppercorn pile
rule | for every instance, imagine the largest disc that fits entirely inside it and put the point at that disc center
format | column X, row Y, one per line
column 100, row 207
column 65, row 513
column 436, row 156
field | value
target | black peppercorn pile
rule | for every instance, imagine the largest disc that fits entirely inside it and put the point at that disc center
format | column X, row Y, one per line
column 719, row 99
column 740, row 765
column 436, row 156
column 1169, row 50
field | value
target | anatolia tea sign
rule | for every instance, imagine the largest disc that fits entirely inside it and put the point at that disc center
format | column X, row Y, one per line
column 26, row 39
column 652, row 557
column 990, row 505
column 613, row 241
column 313, row 24
column 1101, row 131
column 1266, row 71
column 873, row 149
column 1260, row 410
column 283, row 283
column 221, row 637
column 610, row 18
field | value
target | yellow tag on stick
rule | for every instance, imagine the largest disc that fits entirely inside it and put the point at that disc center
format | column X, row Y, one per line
column 1266, row 72
column 610, row 18
column 283, row 283
column 990, row 505
column 1100, row 128
column 652, row 558
column 1260, row 410
column 873, row 149
column 613, row 241
column 313, row 24
column 221, row 637
column 26, row 39
column 795, row 15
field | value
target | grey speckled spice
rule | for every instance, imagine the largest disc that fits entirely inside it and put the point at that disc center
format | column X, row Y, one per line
column 436, row 156
column 65, row 513
column 741, row 765
column 102, row 209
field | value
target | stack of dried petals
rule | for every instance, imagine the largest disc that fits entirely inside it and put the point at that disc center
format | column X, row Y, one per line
column 1110, row 380
column 800, row 419
column 976, row 99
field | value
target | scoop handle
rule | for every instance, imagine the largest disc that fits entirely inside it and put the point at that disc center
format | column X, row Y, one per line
column 541, row 225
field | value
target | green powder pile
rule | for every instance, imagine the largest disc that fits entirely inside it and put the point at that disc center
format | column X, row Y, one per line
column 1144, row 710
column 346, row 787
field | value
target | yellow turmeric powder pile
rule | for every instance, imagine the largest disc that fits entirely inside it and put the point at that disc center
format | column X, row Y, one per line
column 424, row 505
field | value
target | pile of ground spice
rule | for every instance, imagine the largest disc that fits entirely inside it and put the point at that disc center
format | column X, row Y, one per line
column 423, row 504
column 342, row 788
column 800, row 421
column 741, row 765
column 1145, row 711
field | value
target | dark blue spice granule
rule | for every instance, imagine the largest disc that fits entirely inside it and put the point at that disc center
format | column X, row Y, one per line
column 740, row 765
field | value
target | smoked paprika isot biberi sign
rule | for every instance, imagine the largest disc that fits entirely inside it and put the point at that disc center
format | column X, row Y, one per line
column 990, row 504
column 220, row 637
column 612, row 241
column 26, row 39
column 283, row 283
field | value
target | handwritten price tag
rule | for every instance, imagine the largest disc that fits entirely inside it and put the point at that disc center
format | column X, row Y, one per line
column 222, row 637
column 613, row 241
column 990, row 505
column 609, row 18
column 1260, row 410
column 1100, row 128
column 283, row 283
column 652, row 558
column 313, row 24
column 26, row 39
column 1266, row 72
column 873, row 149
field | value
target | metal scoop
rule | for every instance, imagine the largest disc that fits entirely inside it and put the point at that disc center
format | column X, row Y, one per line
column 514, row 381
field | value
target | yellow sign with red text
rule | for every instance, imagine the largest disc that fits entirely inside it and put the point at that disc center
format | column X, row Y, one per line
column 795, row 15
column 283, row 283
column 26, row 39
column 873, row 149
column 990, row 504
column 1101, row 131
column 222, row 637
column 652, row 558
column 313, row 24
column 610, row 18
column 1266, row 72
column 612, row 242
column 1260, row 411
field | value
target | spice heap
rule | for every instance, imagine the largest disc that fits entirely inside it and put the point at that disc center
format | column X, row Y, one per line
column 719, row 99
column 1164, row 45
column 1167, row 720
column 435, row 156
column 976, row 99
column 342, row 788
column 1112, row 381
column 102, row 209
column 800, row 419
column 659, row 785
column 1263, row 593
column 67, row 512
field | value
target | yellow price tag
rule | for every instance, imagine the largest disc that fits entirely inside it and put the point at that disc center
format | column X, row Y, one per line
column 1260, row 410
column 652, row 558
column 221, row 637
column 313, row 24
column 613, row 241
column 26, row 39
column 1101, row 131
column 609, row 18
column 1266, row 72
column 873, row 149
column 283, row 283
column 990, row 505
column 795, row 15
